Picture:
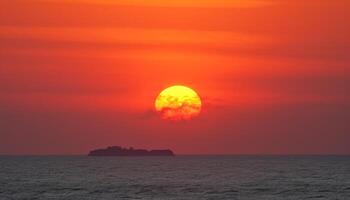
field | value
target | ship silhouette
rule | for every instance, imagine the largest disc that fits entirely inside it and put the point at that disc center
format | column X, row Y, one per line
column 119, row 151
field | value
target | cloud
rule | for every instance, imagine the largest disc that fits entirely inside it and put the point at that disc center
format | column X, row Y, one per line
column 178, row 3
column 148, row 114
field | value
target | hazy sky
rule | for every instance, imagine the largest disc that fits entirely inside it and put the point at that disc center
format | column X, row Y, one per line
column 274, row 76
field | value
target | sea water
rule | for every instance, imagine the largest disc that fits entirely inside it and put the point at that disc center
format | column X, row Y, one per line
column 179, row 177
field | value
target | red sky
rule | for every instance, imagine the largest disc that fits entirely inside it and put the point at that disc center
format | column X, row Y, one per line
column 274, row 76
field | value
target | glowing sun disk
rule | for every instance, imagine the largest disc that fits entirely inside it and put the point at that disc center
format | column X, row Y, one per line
column 178, row 103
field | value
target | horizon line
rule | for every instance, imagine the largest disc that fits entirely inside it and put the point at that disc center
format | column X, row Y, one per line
column 184, row 154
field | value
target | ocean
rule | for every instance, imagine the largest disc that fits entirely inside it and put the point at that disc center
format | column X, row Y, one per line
column 179, row 177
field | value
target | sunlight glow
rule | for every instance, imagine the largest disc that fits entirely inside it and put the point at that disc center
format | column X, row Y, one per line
column 178, row 103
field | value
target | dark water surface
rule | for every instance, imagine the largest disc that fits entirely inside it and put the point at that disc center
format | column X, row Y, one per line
column 180, row 177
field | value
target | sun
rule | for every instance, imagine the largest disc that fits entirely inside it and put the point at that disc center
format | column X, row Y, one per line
column 178, row 103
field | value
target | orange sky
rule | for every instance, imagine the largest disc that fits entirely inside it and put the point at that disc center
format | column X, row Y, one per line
column 274, row 76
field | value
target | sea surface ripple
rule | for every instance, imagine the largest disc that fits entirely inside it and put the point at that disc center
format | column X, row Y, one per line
column 179, row 177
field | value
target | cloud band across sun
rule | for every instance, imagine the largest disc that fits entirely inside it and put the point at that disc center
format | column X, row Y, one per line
column 178, row 103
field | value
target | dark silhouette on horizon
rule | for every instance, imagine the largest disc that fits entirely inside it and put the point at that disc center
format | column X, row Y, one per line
column 119, row 151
